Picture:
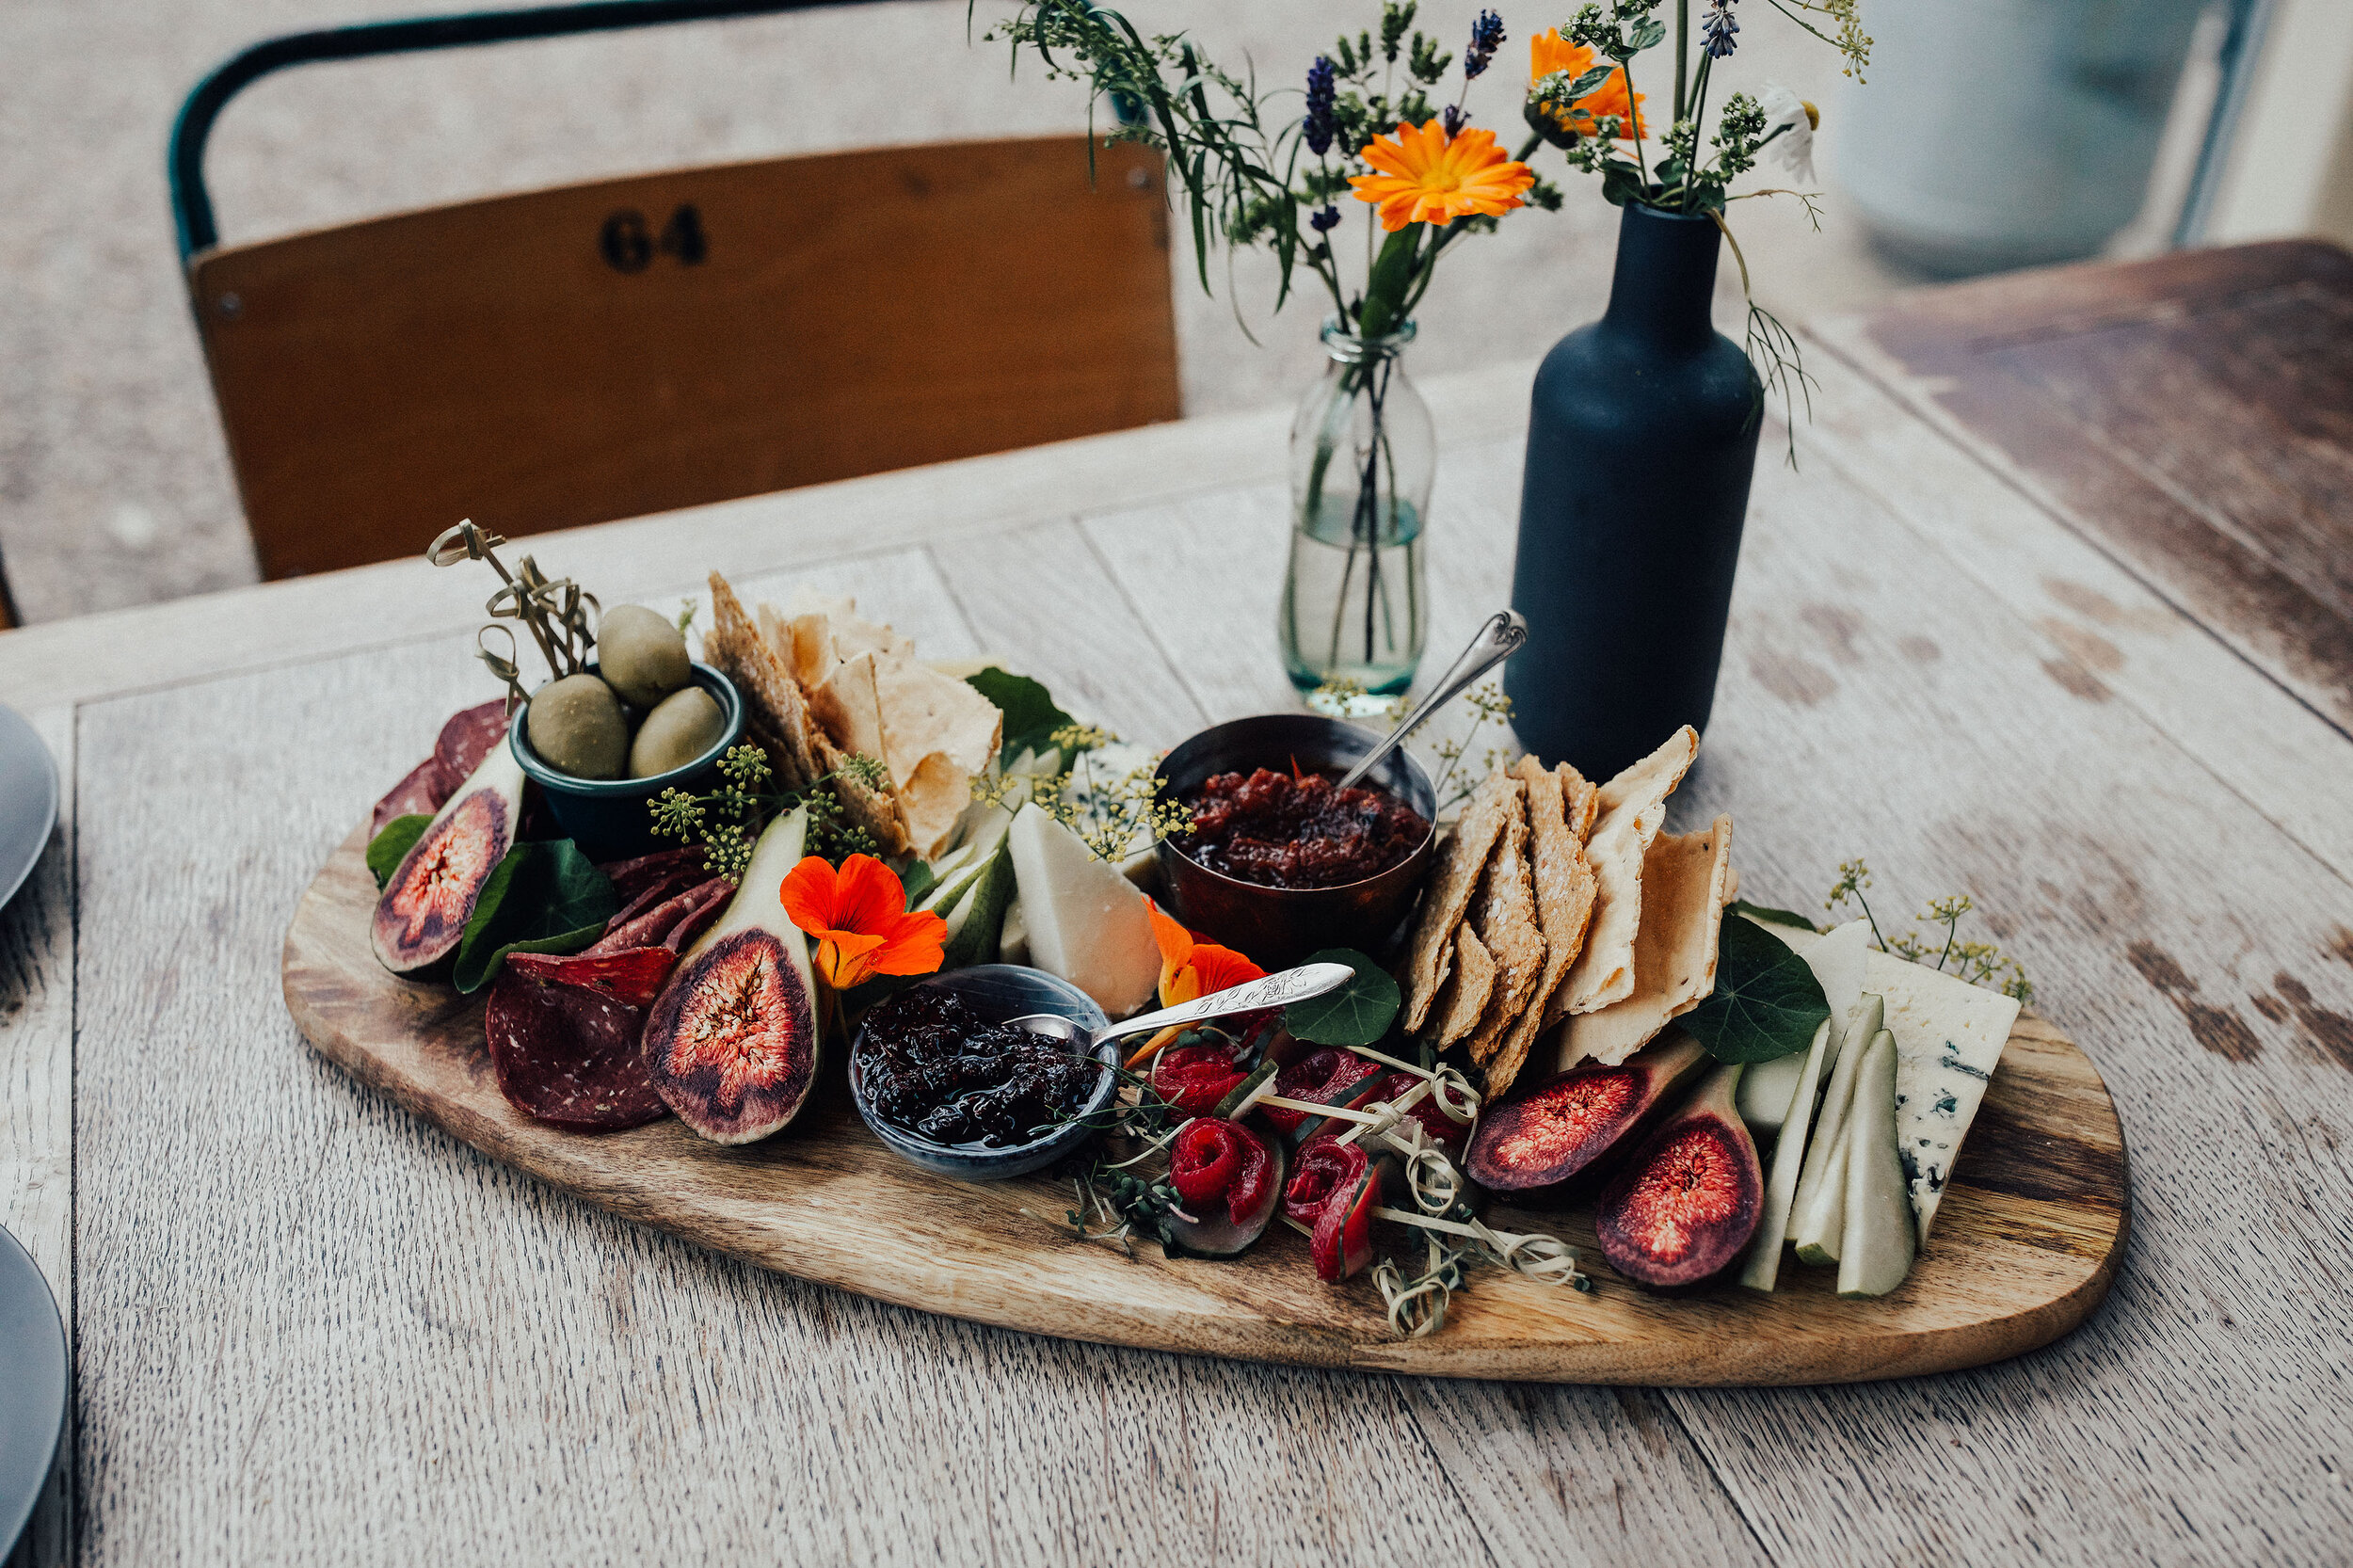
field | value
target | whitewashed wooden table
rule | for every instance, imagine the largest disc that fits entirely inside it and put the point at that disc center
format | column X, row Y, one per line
column 308, row 1329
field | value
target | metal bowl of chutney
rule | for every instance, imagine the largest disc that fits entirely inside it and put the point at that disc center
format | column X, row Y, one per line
column 1278, row 926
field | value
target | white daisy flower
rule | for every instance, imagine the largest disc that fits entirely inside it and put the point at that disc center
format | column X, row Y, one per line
column 1789, row 122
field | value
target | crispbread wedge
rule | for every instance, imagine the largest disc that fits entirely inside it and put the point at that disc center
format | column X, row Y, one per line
column 1633, row 808
column 778, row 715
column 1459, row 863
column 1580, row 801
column 1674, row 957
column 1463, row 1000
column 1505, row 915
column 1565, row 899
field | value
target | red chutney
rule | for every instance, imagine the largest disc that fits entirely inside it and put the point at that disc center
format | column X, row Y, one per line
column 1295, row 830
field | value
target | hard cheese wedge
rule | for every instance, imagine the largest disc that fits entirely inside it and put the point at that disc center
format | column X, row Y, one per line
column 1949, row 1036
column 1086, row 922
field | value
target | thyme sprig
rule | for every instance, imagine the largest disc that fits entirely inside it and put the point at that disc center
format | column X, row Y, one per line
column 1979, row 963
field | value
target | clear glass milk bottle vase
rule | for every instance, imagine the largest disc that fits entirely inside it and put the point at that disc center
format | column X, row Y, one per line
column 1355, row 600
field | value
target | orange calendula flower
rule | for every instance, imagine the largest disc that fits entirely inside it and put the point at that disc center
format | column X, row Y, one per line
column 1425, row 177
column 1549, row 51
column 859, row 918
column 1190, row 968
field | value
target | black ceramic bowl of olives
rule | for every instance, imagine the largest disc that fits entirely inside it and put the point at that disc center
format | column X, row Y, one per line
column 642, row 718
column 946, row 1086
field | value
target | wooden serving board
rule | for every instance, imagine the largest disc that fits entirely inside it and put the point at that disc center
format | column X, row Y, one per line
column 2027, row 1240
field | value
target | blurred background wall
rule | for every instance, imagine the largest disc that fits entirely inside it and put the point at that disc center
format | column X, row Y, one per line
column 114, row 488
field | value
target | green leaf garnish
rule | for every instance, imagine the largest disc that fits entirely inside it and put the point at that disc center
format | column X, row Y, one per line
column 389, row 848
column 1767, row 1002
column 1356, row 1013
column 1771, row 915
column 542, row 897
column 1030, row 716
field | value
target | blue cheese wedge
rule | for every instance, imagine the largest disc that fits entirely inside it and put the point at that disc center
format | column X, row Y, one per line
column 1949, row 1036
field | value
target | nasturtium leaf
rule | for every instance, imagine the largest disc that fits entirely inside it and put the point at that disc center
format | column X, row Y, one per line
column 1767, row 1002
column 544, row 897
column 1357, row 1013
column 1030, row 716
column 389, row 848
column 1771, row 915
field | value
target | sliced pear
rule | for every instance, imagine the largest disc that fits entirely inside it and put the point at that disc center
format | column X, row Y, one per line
column 1768, row 1088
column 1013, row 938
column 1876, row 1247
column 1763, row 1267
column 1086, row 922
column 1815, row 1219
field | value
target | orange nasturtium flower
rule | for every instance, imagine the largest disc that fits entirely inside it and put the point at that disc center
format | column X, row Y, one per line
column 1190, row 968
column 1549, row 51
column 1425, row 177
column 858, row 916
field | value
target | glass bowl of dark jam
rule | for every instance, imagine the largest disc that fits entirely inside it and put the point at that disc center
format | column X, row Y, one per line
column 945, row 1083
column 1285, row 864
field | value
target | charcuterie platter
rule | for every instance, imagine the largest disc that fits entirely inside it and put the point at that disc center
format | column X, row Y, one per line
column 675, row 1053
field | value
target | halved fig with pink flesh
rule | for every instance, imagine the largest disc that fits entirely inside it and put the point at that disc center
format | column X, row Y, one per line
column 1334, row 1188
column 1327, row 1077
column 1229, row 1182
column 563, row 1034
column 1685, row 1207
column 430, row 895
column 1572, row 1123
column 731, row 1042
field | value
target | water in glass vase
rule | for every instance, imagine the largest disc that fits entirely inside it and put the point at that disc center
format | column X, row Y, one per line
column 1355, row 608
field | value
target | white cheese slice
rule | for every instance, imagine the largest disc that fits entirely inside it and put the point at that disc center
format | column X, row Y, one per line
column 1086, row 922
column 1949, row 1036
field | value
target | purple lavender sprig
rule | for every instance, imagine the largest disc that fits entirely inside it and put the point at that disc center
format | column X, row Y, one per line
column 1323, row 105
column 1718, row 28
column 1486, row 37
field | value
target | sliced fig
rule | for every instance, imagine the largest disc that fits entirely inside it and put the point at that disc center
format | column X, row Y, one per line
column 1231, row 1181
column 1327, row 1077
column 563, row 1034
column 731, row 1042
column 1572, row 1124
column 1686, row 1206
column 1334, row 1190
column 431, row 894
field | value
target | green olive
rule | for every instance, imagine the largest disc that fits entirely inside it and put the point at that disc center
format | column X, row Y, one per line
column 641, row 655
column 681, row 729
column 575, row 724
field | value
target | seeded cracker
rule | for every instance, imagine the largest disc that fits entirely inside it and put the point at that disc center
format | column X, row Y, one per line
column 1505, row 915
column 1633, row 808
column 1560, row 806
column 1464, row 998
column 1674, row 957
column 1454, row 878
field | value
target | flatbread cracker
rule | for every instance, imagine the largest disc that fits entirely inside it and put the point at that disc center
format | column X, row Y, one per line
column 1674, row 957
column 1580, row 801
column 777, row 714
column 1633, row 808
column 1564, row 900
column 1505, row 917
column 1462, row 1001
column 1461, row 859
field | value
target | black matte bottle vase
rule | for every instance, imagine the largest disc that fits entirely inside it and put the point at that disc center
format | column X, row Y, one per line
column 1640, row 444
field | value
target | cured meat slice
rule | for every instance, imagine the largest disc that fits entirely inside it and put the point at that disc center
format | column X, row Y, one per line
column 653, row 927
column 467, row 737
column 563, row 1034
column 668, row 870
column 420, row 793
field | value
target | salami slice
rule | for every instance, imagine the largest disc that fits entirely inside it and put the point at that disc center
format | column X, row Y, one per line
column 651, row 927
column 467, row 737
column 420, row 793
column 563, row 1035
column 667, row 868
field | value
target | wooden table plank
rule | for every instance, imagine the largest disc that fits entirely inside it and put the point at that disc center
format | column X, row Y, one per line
column 2193, row 413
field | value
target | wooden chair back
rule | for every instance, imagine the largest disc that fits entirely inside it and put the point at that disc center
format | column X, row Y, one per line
column 634, row 346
